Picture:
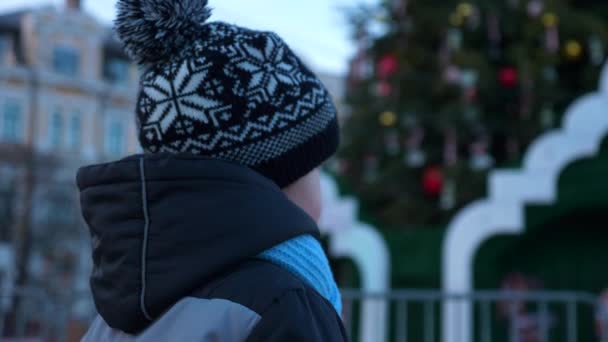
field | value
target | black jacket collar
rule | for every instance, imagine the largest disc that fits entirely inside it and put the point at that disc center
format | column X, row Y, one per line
column 164, row 225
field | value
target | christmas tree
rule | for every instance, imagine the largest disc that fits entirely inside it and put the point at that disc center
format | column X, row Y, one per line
column 450, row 90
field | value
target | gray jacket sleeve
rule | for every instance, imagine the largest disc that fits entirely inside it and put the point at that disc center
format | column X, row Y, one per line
column 192, row 319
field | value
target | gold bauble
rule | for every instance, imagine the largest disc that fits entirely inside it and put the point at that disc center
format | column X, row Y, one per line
column 550, row 19
column 388, row 119
column 456, row 19
column 465, row 9
column 573, row 49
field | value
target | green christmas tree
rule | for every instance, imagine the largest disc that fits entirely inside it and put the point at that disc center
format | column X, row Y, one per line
column 452, row 89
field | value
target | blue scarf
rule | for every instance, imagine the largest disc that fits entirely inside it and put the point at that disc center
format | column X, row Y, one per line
column 304, row 257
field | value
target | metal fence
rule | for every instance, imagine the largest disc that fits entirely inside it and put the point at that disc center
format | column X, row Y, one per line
column 499, row 316
column 412, row 316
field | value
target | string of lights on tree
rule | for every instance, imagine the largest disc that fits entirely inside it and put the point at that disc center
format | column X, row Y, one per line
column 441, row 92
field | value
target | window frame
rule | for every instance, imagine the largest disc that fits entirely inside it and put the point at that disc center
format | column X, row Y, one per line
column 75, row 131
column 66, row 60
column 17, row 130
column 56, row 128
column 115, row 143
column 119, row 77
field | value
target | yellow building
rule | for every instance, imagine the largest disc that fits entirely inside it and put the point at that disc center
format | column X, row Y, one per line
column 66, row 87
column 67, row 94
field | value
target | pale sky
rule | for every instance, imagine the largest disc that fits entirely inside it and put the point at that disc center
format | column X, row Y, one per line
column 315, row 29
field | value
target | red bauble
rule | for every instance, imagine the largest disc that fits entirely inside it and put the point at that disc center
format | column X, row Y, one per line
column 470, row 95
column 432, row 181
column 387, row 66
column 508, row 77
column 384, row 89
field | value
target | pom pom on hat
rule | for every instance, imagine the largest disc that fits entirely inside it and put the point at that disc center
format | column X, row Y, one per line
column 152, row 30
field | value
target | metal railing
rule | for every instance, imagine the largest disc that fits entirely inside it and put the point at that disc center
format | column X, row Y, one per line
column 414, row 315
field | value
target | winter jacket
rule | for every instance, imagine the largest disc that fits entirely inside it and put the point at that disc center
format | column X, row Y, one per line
column 175, row 240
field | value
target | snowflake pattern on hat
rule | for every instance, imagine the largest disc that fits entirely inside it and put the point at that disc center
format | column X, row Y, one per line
column 217, row 98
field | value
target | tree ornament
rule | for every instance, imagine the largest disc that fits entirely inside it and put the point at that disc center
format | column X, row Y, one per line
column 596, row 50
column 573, row 50
column 361, row 68
column 550, row 74
column 452, row 75
column 480, row 159
column 508, row 77
column 550, row 19
column 494, row 36
column 384, row 89
column 470, row 95
column 415, row 156
column 450, row 149
column 391, row 142
column 535, row 8
column 465, row 9
column 339, row 166
column 388, row 118
column 387, row 66
column 447, row 201
column 370, row 169
column 468, row 78
column 494, row 32
column 547, row 117
column 474, row 19
column 552, row 39
column 432, row 181
column 455, row 38
column 456, row 19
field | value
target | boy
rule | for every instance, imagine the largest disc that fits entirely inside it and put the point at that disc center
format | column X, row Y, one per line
column 211, row 234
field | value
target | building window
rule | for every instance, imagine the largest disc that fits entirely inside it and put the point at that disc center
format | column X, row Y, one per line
column 56, row 129
column 4, row 49
column 75, row 135
column 11, row 121
column 66, row 61
column 117, row 71
column 115, row 139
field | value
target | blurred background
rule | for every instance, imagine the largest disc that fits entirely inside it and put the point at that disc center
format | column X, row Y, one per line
column 468, row 200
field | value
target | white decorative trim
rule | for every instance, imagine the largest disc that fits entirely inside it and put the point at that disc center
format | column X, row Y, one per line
column 584, row 127
column 363, row 244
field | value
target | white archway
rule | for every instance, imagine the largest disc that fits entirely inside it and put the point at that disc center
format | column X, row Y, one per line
column 363, row 244
column 584, row 127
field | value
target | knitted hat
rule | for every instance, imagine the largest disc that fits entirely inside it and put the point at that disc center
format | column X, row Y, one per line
column 226, row 92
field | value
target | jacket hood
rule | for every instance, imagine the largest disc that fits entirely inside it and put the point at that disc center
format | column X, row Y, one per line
column 164, row 225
